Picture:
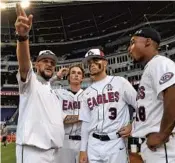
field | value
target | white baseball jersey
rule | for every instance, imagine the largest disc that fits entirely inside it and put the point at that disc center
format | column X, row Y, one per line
column 71, row 106
column 105, row 104
column 159, row 74
column 40, row 121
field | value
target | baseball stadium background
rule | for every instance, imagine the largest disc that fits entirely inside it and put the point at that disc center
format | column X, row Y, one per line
column 70, row 29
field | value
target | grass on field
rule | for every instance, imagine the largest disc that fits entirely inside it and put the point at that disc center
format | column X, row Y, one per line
column 8, row 153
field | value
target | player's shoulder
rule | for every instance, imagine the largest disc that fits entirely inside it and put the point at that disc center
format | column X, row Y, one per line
column 61, row 91
column 119, row 79
column 88, row 89
column 160, row 60
column 86, row 92
column 81, row 90
column 159, row 64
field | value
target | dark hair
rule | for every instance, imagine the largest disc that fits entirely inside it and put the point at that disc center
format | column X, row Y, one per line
column 81, row 68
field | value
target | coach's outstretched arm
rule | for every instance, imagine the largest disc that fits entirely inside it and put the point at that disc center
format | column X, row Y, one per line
column 23, row 25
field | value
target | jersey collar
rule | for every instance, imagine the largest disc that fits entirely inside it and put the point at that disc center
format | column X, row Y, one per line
column 42, row 80
column 146, row 64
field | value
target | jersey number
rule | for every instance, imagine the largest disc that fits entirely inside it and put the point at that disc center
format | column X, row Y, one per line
column 141, row 114
column 113, row 112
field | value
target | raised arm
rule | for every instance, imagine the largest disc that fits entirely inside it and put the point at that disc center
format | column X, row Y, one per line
column 23, row 25
column 60, row 74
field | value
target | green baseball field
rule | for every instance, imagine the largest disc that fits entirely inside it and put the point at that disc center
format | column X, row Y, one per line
column 8, row 153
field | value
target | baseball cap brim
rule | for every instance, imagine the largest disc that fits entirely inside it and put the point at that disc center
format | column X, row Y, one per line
column 87, row 59
column 45, row 56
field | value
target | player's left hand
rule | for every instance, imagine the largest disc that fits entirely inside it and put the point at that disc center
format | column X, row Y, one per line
column 125, row 131
column 62, row 72
column 155, row 140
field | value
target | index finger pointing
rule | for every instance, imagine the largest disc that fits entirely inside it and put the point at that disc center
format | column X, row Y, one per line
column 22, row 12
column 18, row 13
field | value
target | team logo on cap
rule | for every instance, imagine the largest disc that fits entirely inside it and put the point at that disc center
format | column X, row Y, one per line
column 48, row 52
column 94, row 52
column 166, row 77
column 90, row 53
column 138, row 32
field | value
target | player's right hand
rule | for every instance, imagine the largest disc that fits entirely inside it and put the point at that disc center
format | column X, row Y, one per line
column 62, row 72
column 83, row 157
column 23, row 23
column 125, row 131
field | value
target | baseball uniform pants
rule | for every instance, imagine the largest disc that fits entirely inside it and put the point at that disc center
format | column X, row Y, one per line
column 163, row 154
column 31, row 154
column 112, row 151
column 70, row 151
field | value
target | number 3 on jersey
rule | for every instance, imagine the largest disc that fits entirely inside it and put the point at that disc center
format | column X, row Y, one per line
column 141, row 115
column 113, row 112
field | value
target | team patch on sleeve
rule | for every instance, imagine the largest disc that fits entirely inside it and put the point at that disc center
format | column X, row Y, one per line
column 166, row 77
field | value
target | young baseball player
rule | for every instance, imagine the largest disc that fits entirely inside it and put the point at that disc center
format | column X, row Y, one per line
column 156, row 98
column 104, row 112
column 70, row 100
column 40, row 130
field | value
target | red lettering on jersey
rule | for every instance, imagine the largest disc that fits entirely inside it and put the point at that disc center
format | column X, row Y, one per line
column 94, row 102
column 116, row 94
column 104, row 98
column 89, row 103
column 65, row 104
column 111, row 96
column 99, row 99
column 70, row 106
column 141, row 93
column 75, row 104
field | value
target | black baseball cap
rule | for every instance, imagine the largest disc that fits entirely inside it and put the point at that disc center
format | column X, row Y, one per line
column 148, row 32
column 93, row 53
column 46, row 54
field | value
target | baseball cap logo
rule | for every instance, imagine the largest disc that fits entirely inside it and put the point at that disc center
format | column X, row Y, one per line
column 90, row 53
column 93, row 53
column 48, row 52
column 138, row 32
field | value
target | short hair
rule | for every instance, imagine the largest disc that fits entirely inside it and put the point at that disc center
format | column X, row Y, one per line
column 79, row 66
column 156, row 45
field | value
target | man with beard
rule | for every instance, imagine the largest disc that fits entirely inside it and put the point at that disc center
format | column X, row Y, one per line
column 104, row 113
column 156, row 98
column 40, row 131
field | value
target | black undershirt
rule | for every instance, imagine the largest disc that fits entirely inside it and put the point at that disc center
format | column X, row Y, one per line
column 72, row 91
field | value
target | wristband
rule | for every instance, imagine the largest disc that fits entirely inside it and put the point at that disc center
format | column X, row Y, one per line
column 22, row 38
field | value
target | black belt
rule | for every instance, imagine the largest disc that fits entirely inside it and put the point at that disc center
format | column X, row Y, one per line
column 75, row 137
column 101, row 137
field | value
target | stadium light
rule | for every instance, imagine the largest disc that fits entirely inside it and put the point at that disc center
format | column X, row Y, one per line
column 25, row 3
column 2, row 5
